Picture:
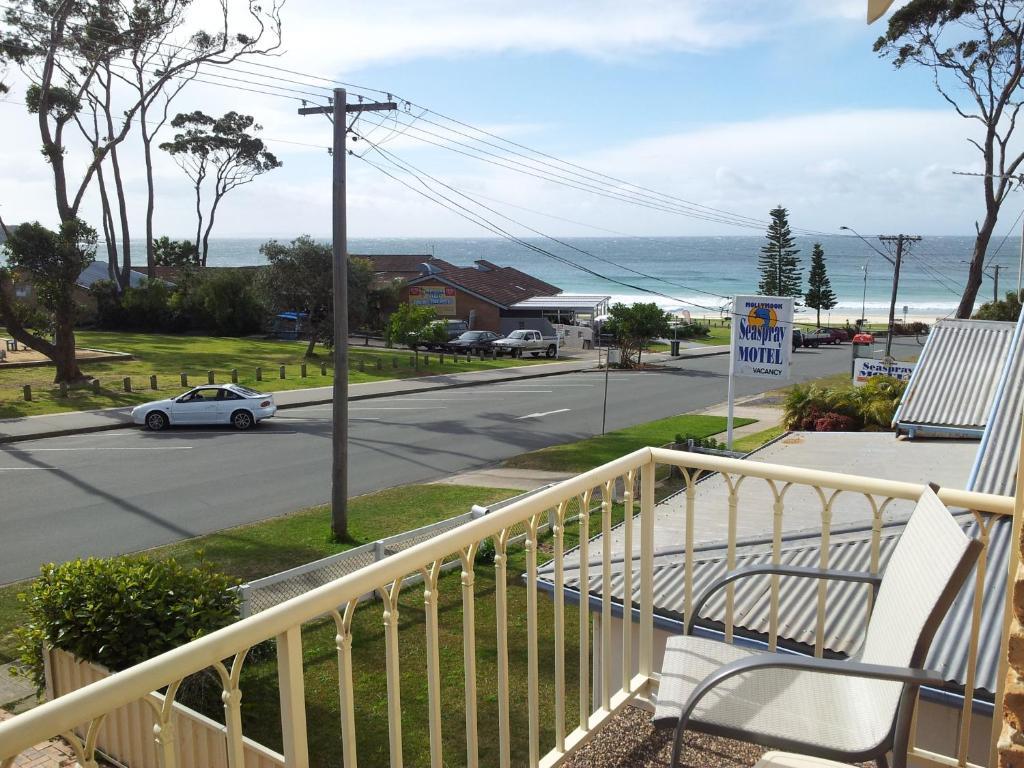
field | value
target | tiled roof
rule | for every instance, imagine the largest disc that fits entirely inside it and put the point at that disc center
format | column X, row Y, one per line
column 404, row 262
column 503, row 286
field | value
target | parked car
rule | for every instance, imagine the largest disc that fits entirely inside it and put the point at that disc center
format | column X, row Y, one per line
column 453, row 329
column 526, row 340
column 816, row 338
column 232, row 404
column 798, row 339
column 474, row 341
column 836, row 335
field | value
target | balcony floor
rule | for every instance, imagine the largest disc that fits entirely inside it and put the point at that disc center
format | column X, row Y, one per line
column 630, row 741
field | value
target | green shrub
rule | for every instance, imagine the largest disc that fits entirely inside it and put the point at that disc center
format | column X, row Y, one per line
column 691, row 331
column 120, row 611
column 700, row 442
column 1006, row 309
column 869, row 407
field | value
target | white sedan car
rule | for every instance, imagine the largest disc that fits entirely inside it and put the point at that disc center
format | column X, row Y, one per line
column 232, row 404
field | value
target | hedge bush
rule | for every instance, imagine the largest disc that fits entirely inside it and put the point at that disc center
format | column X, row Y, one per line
column 120, row 611
column 871, row 407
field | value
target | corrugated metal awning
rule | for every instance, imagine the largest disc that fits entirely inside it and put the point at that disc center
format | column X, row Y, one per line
column 956, row 377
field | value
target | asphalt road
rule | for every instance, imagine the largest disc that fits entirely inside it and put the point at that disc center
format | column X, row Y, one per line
column 120, row 491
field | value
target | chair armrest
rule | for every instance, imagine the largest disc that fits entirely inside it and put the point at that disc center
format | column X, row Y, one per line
column 778, row 570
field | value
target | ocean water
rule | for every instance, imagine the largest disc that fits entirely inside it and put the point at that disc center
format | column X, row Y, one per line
column 696, row 272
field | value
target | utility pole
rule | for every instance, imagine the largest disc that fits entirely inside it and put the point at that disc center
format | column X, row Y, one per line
column 995, row 283
column 900, row 240
column 338, row 112
column 864, row 296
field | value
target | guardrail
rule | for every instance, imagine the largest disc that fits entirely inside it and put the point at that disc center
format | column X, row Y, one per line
column 226, row 649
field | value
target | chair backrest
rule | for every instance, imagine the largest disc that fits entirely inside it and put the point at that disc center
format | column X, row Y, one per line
column 925, row 572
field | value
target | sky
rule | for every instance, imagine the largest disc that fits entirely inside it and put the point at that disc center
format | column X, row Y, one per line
column 739, row 106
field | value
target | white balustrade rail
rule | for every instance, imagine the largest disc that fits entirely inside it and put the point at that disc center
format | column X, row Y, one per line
column 226, row 649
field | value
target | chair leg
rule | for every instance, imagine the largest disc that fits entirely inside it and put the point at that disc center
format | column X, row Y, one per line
column 882, row 761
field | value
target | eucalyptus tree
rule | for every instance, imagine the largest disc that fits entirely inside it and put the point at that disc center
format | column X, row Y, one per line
column 974, row 50
column 218, row 155
column 75, row 53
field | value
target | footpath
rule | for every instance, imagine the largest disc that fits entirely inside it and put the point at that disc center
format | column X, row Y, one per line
column 79, row 422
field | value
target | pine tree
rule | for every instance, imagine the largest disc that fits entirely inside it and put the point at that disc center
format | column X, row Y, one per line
column 819, row 294
column 779, row 265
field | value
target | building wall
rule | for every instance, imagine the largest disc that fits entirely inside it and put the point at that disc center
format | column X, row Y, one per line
column 937, row 724
column 487, row 317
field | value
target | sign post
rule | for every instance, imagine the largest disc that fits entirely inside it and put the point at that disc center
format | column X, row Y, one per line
column 761, row 343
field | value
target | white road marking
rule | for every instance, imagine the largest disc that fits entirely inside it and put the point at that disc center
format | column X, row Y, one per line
column 28, row 469
column 65, row 450
column 525, row 391
column 538, row 415
column 400, row 408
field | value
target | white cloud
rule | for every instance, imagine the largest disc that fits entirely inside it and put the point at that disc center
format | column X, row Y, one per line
column 350, row 35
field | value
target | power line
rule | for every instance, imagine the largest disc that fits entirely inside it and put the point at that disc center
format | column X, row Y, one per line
column 409, row 168
column 475, row 218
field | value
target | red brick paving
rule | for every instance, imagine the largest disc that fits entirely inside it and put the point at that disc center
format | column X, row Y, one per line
column 49, row 754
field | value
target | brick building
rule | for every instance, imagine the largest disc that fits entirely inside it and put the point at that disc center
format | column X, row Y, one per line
column 481, row 294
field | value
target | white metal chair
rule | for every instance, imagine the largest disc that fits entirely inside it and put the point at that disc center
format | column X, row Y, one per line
column 848, row 710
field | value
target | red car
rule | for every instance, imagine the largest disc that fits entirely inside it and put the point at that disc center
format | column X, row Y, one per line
column 836, row 335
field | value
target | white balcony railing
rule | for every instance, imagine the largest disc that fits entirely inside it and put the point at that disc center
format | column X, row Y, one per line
column 83, row 711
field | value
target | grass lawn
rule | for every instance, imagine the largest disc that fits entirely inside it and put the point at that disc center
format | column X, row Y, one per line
column 587, row 454
column 748, row 443
column 168, row 356
column 718, row 335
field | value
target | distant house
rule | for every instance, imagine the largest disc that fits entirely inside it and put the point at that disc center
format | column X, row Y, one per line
column 482, row 294
column 403, row 266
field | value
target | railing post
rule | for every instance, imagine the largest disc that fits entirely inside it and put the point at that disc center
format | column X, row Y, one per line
column 292, row 694
column 646, row 650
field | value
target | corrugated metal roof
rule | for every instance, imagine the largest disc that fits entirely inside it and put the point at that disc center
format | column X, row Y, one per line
column 562, row 301
column 995, row 468
column 956, row 376
column 846, row 607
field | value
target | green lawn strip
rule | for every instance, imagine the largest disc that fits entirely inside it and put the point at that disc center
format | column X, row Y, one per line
column 594, row 451
column 717, row 335
column 260, row 549
column 752, row 442
column 168, row 356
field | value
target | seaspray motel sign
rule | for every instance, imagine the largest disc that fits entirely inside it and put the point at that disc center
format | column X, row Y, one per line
column 762, row 336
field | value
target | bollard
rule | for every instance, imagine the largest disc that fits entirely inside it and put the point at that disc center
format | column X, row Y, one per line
column 126, row 382
column 394, row 362
column 481, row 355
column 152, row 382
column 426, row 360
column 302, row 370
column 259, row 374
column 184, row 379
column 362, row 364
column 412, row 361
column 209, row 377
column 26, row 392
column 469, row 357
column 234, row 375
column 440, row 360
column 380, row 364
column 281, row 371
column 96, row 385
column 63, row 389
column 323, row 369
